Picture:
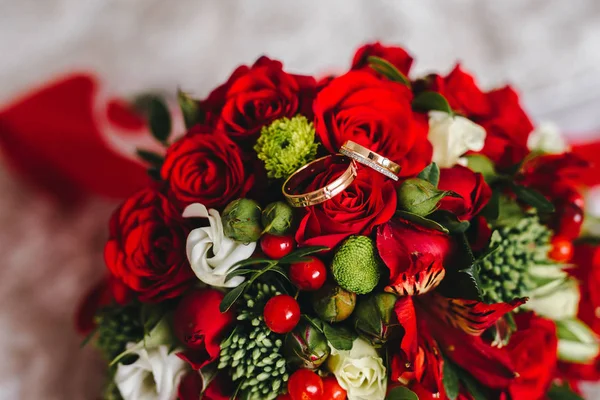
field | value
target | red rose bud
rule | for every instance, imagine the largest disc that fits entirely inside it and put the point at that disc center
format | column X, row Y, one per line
column 305, row 347
column 396, row 56
column 473, row 192
column 199, row 324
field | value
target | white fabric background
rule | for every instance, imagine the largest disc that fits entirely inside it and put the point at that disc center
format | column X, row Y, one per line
column 549, row 49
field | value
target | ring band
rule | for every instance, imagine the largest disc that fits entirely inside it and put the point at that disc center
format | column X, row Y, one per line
column 371, row 159
column 325, row 193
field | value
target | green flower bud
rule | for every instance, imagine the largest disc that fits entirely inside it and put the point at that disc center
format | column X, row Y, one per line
column 419, row 196
column 333, row 304
column 278, row 218
column 305, row 347
column 286, row 145
column 374, row 318
column 241, row 221
column 355, row 266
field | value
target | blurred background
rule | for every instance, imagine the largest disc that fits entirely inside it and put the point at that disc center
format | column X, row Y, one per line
column 52, row 254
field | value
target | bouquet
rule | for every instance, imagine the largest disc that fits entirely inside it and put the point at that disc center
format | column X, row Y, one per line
column 363, row 236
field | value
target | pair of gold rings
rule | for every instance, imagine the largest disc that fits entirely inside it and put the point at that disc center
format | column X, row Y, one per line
column 350, row 153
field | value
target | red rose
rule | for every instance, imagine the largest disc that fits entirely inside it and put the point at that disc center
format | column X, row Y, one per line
column 146, row 248
column 205, row 167
column 462, row 93
column 532, row 350
column 256, row 96
column 474, row 192
column 369, row 201
column 397, row 56
column 376, row 114
column 200, row 325
column 190, row 388
column 498, row 111
column 401, row 243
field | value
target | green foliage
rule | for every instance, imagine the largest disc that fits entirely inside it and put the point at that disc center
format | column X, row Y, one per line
column 430, row 101
column 156, row 112
column 401, row 393
column 190, row 108
column 117, row 326
column 431, row 174
column 388, row 70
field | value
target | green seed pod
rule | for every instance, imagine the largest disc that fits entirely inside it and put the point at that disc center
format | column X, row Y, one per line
column 305, row 347
column 333, row 304
column 241, row 221
column 419, row 196
column 374, row 318
column 278, row 218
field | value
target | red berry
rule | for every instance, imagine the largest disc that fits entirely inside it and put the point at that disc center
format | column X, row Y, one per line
column 332, row 389
column 305, row 385
column 309, row 275
column 276, row 247
column 569, row 224
column 562, row 249
column 281, row 313
column 284, row 397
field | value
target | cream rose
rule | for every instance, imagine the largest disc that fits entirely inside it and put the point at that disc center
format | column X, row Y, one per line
column 359, row 371
column 547, row 139
column 155, row 375
column 453, row 136
column 558, row 298
column 212, row 254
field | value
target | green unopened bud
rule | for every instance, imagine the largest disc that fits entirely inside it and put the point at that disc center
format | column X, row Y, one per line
column 419, row 196
column 333, row 304
column 278, row 218
column 241, row 221
column 305, row 347
column 576, row 341
column 374, row 318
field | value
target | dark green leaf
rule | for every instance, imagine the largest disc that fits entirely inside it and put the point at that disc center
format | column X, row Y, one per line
column 157, row 114
column 450, row 380
column 462, row 281
column 239, row 272
column 425, row 222
column 232, row 296
column 281, row 272
column 317, row 323
column 431, row 174
column 563, row 392
column 491, row 211
column 299, row 254
column 192, row 115
column 533, row 198
column 388, row 70
column 428, row 101
column 150, row 157
column 340, row 337
column 476, row 389
column 592, row 240
column 450, row 221
column 401, row 393
column 89, row 337
column 154, row 173
column 252, row 261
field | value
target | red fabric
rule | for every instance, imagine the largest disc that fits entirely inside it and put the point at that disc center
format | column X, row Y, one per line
column 50, row 137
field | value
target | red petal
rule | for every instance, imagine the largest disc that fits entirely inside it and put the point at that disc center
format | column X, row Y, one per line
column 471, row 316
column 424, row 274
column 407, row 317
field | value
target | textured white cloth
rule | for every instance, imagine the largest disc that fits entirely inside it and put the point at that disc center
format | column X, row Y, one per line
column 547, row 48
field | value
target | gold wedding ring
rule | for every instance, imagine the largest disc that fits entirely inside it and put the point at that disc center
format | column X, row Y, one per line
column 370, row 159
column 294, row 184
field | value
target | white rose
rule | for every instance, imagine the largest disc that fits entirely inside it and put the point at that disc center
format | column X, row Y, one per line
column 155, row 375
column 548, row 139
column 453, row 136
column 360, row 371
column 212, row 254
column 576, row 341
column 558, row 298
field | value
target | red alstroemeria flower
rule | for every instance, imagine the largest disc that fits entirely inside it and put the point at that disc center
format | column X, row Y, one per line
column 434, row 324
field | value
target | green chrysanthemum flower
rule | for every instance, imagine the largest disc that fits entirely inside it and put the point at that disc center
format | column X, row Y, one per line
column 286, row 145
column 252, row 353
column 505, row 273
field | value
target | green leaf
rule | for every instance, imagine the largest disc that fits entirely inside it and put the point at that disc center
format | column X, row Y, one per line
column 192, row 114
column 564, row 392
column 340, row 337
column 88, row 338
column 477, row 391
column 154, row 173
column 533, row 198
column 239, row 272
column 157, row 114
column 462, row 281
column 431, row 174
column 450, row 380
column 150, row 157
column 252, row 261
column 232, row 296
column 425, row 222
column 450, row 221
column 491, row 211
column 317, row 323
column 428, row 101
column 388, row 70
column 401, row 393
column 483, row 165
column 300, row 254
